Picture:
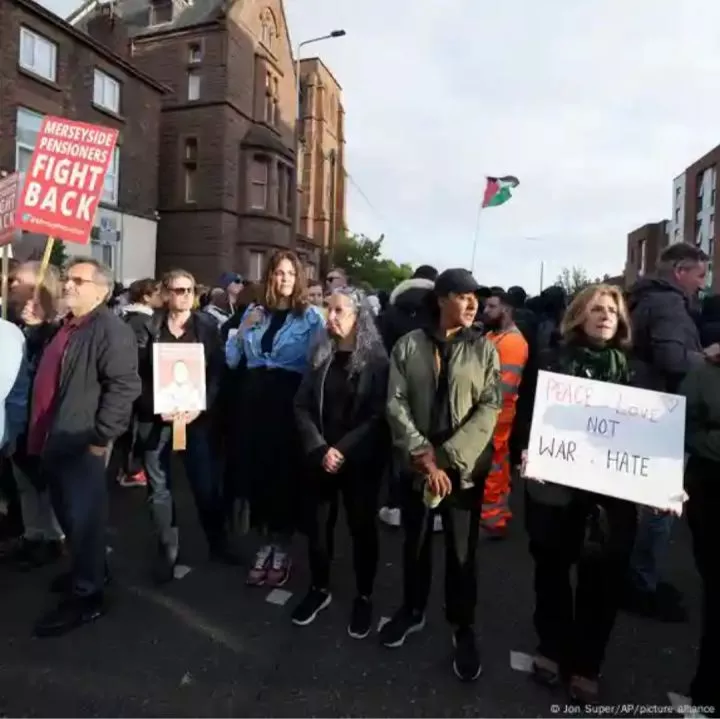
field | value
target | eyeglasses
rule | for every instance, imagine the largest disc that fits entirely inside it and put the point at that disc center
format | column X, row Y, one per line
column 79, row 281
column 180, row 291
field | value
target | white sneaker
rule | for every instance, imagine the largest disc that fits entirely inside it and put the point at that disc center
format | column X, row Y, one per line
column 390, row 516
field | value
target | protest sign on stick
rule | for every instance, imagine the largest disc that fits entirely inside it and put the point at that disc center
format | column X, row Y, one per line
column 8, row 201
column 606, row 438
column 65, row 180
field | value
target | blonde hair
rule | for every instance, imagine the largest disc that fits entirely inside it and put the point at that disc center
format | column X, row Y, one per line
column 49, row 291
column 576, row 314
column 168, row 278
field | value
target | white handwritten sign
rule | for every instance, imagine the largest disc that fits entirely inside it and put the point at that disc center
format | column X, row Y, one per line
column 618, row 441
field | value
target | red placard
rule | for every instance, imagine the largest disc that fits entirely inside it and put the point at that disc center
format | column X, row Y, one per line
column 8, row 201
column 65, row 180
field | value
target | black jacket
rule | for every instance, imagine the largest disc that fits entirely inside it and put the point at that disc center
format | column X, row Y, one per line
column 407, row 310
column 368, row 441
column 98, row 385
column 665, row 335
column 206, row 331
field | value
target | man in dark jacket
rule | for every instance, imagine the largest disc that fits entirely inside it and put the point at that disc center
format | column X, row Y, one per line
column 82, row 398
column 407, row 310
column 667, row 345
column 181, row 324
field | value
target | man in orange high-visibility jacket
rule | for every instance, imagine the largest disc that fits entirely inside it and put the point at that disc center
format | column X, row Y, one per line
column 513, row 351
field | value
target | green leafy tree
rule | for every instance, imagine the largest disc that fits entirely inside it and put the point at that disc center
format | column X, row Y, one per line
column 361, row 257
column 573, row 279
column 58, row 254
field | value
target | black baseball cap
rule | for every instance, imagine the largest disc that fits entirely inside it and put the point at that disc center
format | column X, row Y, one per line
column 456, row 281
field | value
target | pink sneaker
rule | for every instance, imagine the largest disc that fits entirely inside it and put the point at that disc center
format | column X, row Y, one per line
column 279, row 571
column 259, row 572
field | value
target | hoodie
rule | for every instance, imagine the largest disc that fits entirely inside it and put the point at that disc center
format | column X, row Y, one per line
column 407, row 310
column 666, row 337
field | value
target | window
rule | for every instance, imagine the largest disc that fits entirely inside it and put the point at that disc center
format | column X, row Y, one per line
column 26, row 133
column 310, row 272
column 677, row 215
column 190, row 180
column 272, row 89
column 259, row 172
column 106, row 92
column 161, row 12
column 713, row 196
column 195, row 53
column 711, row 248
column 191, row 149
column 190, row 169
column 711, row 229
column 112, row 184
column 290, row 184
column 642, row 248
column 255, row 272
column 194, row 85
column 38, row 54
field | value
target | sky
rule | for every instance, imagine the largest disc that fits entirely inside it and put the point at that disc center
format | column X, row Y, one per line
column 594, row 105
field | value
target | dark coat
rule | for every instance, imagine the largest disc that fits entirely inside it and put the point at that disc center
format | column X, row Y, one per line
column 368, row 441
column 98, row 384
column 407, row 310
column 666, row 338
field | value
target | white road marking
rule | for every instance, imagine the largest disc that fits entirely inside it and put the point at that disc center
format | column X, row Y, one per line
column 279, row 597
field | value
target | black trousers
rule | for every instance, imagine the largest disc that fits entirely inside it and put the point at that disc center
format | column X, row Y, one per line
column 359, row 488
column 702, row 512
column 79, row 495
column 461, row 530
column 574, row 629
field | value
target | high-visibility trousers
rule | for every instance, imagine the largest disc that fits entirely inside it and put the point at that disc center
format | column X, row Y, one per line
column 496, row 498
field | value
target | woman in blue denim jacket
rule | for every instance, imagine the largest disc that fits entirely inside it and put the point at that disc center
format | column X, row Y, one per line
column 273, row 342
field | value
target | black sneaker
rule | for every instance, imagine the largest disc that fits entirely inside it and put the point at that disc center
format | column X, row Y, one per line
column 35, row 554
column 63, row 583
column 400, row 627
column 466, row 664
column 662, row 605
column 71, row 613
column 361, row 618
column 314, row 602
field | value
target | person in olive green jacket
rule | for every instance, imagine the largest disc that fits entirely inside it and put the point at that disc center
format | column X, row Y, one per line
column 701, row 388
column 444, row 399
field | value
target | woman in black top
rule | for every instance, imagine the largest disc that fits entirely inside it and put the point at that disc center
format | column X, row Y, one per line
column 568, row 526
column 340, row 410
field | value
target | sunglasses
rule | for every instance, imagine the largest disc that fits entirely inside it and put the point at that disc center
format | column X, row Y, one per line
column 180, row 291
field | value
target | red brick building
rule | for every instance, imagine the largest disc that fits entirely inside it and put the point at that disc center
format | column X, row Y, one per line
column 49, row 67
column 227, row 149
column 644, row 247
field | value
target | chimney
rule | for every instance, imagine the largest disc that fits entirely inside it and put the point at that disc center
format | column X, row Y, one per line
column 106, row 26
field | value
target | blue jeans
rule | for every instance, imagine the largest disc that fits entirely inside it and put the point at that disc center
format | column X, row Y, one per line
column 653, row 536
column 202, row 472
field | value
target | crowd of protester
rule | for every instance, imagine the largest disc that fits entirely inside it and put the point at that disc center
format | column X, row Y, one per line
column 422, row 396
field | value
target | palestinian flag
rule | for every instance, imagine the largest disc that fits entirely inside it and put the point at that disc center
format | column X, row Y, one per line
column 498, row 190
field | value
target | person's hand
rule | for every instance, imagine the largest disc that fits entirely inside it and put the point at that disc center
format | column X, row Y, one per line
column 423, row 461
column 712, row 352
column 333, row 461
column 254, row 317
column 523, row 463
column 98, row 451
column 189, row 417
column 439, row 483
column 169, row 417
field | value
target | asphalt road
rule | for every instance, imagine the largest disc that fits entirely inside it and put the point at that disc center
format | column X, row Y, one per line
column 207, row 645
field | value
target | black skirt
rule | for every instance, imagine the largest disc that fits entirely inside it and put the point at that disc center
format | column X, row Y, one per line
column 268, row 459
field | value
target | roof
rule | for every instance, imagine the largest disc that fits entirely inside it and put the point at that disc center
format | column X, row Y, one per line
column 326, row 68
column 86, row 39
column 134, row 14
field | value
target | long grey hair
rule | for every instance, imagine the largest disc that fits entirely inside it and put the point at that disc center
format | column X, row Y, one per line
column 368, row 343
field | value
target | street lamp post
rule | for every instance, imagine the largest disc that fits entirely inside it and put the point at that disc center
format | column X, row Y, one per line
column 298, row 118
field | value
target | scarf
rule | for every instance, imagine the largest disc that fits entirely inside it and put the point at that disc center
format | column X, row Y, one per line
column 606, row 364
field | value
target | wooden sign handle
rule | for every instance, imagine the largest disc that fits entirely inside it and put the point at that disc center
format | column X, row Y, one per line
column 179, row 436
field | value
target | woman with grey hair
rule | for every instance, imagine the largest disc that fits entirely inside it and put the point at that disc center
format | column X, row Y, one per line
column 340, row 410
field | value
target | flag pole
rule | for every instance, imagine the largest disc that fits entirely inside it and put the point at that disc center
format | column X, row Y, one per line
column 477, row 236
